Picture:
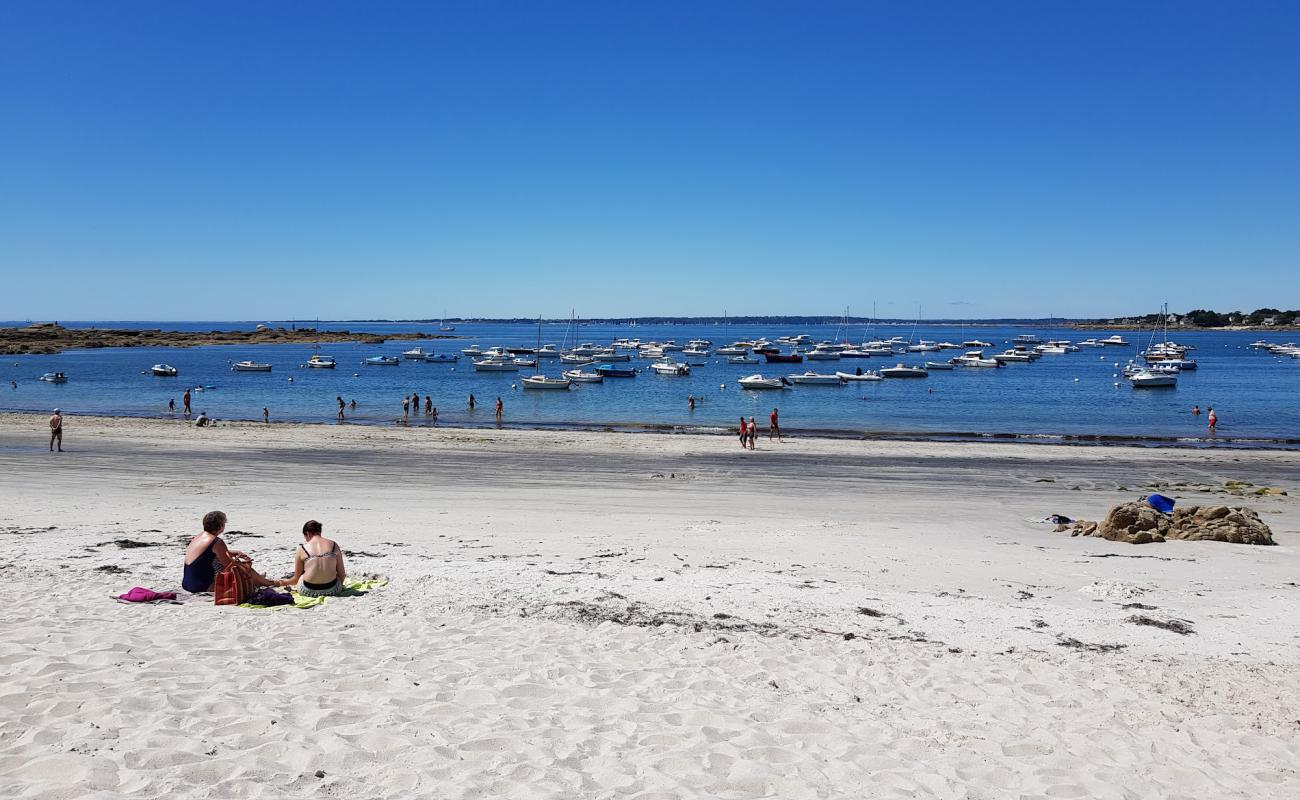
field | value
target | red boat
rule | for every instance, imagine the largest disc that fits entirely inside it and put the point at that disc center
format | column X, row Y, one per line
column 783, row 358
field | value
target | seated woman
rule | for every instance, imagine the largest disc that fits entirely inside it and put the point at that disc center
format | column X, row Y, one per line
column 207, row 554
column 318, row 569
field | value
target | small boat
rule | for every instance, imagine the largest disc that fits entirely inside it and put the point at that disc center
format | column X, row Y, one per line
column 548, row 351
column 496, row 352
column 741, row 359
column 696, row 352
column 321, row 362
column 859, row 376
column 782, row 358
column 608, row 355
column 1013, row 357
column 579, row 376
column 471, row 351
column 1113, row 341
column 616, row 371
column 759, row 382
column 521, row 351
column 250, row 366
column 811, row 378
column 164, row 370
column 382, row 361
column 976, row 343
column 901, row 371
column 442, row 358
column 733, row 350
column 975, row 358
column 414, row 354
column 855, row 352
column 496, row 365
column 1028, row 338
column 54, row 377
column 668, row 367
column 543, row 382
column 525, row 362
column 572, row 358
column 1145, row 379
column 949, row 346
column 933, row 365
column 823, row 352
column 585, row 349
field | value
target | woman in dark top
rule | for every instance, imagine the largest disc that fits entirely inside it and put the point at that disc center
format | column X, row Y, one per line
column 207, row 553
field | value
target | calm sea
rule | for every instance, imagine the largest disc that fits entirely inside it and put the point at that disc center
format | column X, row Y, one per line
column 1072, row 395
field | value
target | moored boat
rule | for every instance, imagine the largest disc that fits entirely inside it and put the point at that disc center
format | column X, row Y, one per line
column 901, row 371
column 382, row 361
column 859, row 376
column 616, row 370
column 759, row 382
column 164, row 370
column 322, row 362
column 581, row 376
column 249, row 366
column 54, row 377
column 811, row 378
column 442, row 358
column 414, row 354
column 543, row 382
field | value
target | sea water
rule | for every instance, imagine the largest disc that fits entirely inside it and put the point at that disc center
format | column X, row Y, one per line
column 1077, row 395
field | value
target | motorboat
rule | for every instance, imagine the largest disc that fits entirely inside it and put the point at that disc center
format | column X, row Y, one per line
column 759, row 382
column 525, row 362
column 696, row 352
column 812, row 378
column 610, row 354
column 1028, row 338
column 695, row 360
column 543, row 382
column 1050, row 349
column 54, row 377
column 579, row 376
column 975, row 358
column 901, row 371
column 1145, row 379
column 671, row 346
column 1013, row 357
column 414, row 354
column 922, row 346
column 442, row 358
column 652, row 351
column 742, row 359
column 669, row 367
column 585, row 349
column 382, row 361
column 521, row 351
column 732, row 350
column 164, row 370
column 548, row 351
column 1091, row 343
column 1183, row 364
column 616, row 370
column 1113, row 341
column 573, row 358
column 859, row 376
column 471, row 351
column 949, row 346
column 976, row 343
column 933, row 365
column 322, row 362
column 496, row 365
column 782, row 358
column 699, row 344
column 251, row 366
column 855, row 352
column 496, row 352
column 823, row 352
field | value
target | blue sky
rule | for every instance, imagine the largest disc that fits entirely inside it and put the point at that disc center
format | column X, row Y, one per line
column 270, row 160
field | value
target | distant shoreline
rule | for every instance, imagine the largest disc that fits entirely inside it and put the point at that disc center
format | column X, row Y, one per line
column 1288, row 444
column 47, row 339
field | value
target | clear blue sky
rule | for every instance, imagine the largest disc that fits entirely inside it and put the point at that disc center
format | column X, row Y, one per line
column 274, row 159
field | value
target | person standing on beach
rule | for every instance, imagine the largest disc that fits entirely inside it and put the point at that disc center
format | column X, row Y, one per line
column 774, row 429
column 471, row 401
column 340, row 399
column 744, row 433
column 501, row 408
column 406, row 408
column 1213, row 419
column 266, row 415
column 56, row 430
column 185, row 402
column 751, row 433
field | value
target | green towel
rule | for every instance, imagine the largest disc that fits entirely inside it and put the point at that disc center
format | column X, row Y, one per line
column 350, row 589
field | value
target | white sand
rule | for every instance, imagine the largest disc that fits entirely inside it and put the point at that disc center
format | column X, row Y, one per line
column 484, row 668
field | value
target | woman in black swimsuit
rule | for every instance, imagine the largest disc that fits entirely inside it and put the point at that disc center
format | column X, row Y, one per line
column 207, row 553
column 318, row 569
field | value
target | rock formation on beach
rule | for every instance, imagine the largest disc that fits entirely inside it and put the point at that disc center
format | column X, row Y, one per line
column 1138, row 523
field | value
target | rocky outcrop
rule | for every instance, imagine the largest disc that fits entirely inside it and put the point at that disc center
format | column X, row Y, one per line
column 1138, row 523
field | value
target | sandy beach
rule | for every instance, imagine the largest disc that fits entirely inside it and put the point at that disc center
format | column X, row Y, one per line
column 615, row 615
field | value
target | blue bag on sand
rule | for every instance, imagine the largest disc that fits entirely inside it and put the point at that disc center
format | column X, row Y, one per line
column 1165, row 505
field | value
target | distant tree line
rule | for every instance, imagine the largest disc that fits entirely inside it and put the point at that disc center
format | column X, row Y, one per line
column 1203, row 318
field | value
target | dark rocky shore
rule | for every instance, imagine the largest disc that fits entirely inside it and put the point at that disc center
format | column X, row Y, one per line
column 53, row 338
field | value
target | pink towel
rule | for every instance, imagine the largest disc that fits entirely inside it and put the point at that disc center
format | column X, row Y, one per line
column 139, row 594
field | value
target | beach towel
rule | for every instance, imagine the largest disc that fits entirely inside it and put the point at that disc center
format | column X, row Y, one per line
column 139, row 594
column 350, row 589
column 1165, row 505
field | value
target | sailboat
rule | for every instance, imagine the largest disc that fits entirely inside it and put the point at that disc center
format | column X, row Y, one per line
column 537, row 380
column 442, row 324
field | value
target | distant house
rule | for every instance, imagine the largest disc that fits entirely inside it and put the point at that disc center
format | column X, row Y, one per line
column 1268, row 321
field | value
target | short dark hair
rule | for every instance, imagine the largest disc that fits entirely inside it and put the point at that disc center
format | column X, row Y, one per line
column 214, row 521
column 311, row 526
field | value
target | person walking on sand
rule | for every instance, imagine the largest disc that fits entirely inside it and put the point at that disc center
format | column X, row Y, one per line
column 1212, row 418
column 774, row 429
column 501, row 408
column 185, row 403
column 56, row 430
column 751, row 433
column 406, row 408
column 266, row 415
column 340, row 399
